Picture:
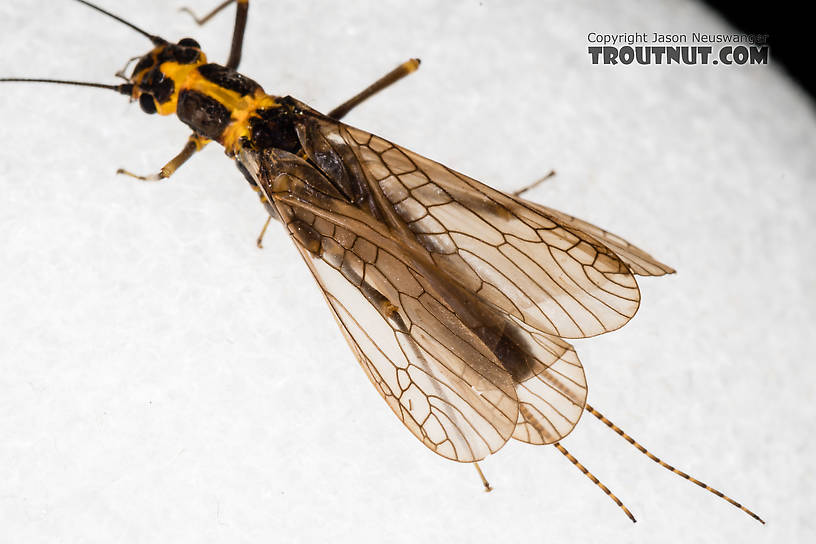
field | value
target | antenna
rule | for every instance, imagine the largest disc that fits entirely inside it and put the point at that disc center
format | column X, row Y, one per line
column 125, row 88
column 155, row 39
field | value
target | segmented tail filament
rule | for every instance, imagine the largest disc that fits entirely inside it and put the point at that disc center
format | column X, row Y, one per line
column 667, row 466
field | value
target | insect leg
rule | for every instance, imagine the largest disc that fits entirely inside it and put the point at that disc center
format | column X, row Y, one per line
column 657, row 460
column 194, row 143
column 536, row 183
column 263, row 232
column 485, row 483
column 388, row 79
column 210, row 15
column 237, row 33
column 595, row 480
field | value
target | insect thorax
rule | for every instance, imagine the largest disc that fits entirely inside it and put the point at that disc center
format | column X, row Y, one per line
column 216, row 102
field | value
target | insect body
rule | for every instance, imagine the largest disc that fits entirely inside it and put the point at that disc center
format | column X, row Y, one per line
column 456, row 299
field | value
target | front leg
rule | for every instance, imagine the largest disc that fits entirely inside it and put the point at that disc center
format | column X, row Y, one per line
column 194, row 143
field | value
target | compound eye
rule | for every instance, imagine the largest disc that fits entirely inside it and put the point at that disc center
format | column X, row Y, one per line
column 189, row 42
column 147, row 103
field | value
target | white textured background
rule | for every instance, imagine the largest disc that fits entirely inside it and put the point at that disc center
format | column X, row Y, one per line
column 162, row 380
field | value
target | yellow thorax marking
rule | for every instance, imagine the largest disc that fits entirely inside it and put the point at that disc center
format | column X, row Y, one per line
column 241, row 108
column 240, row 112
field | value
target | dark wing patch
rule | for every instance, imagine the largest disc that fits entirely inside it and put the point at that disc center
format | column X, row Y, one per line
column 551, row 402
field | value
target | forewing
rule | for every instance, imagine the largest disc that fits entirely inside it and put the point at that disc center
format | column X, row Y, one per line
column 433, row 372
column 640, row 262
column 533, row 266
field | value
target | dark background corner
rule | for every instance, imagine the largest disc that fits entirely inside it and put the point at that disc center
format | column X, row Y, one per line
column 788, row 25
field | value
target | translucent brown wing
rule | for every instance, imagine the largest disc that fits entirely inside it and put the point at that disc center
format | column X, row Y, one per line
column 444, row 383
column 638, row 261
column 434, row 373
column 552, row 400
column 532, row 265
